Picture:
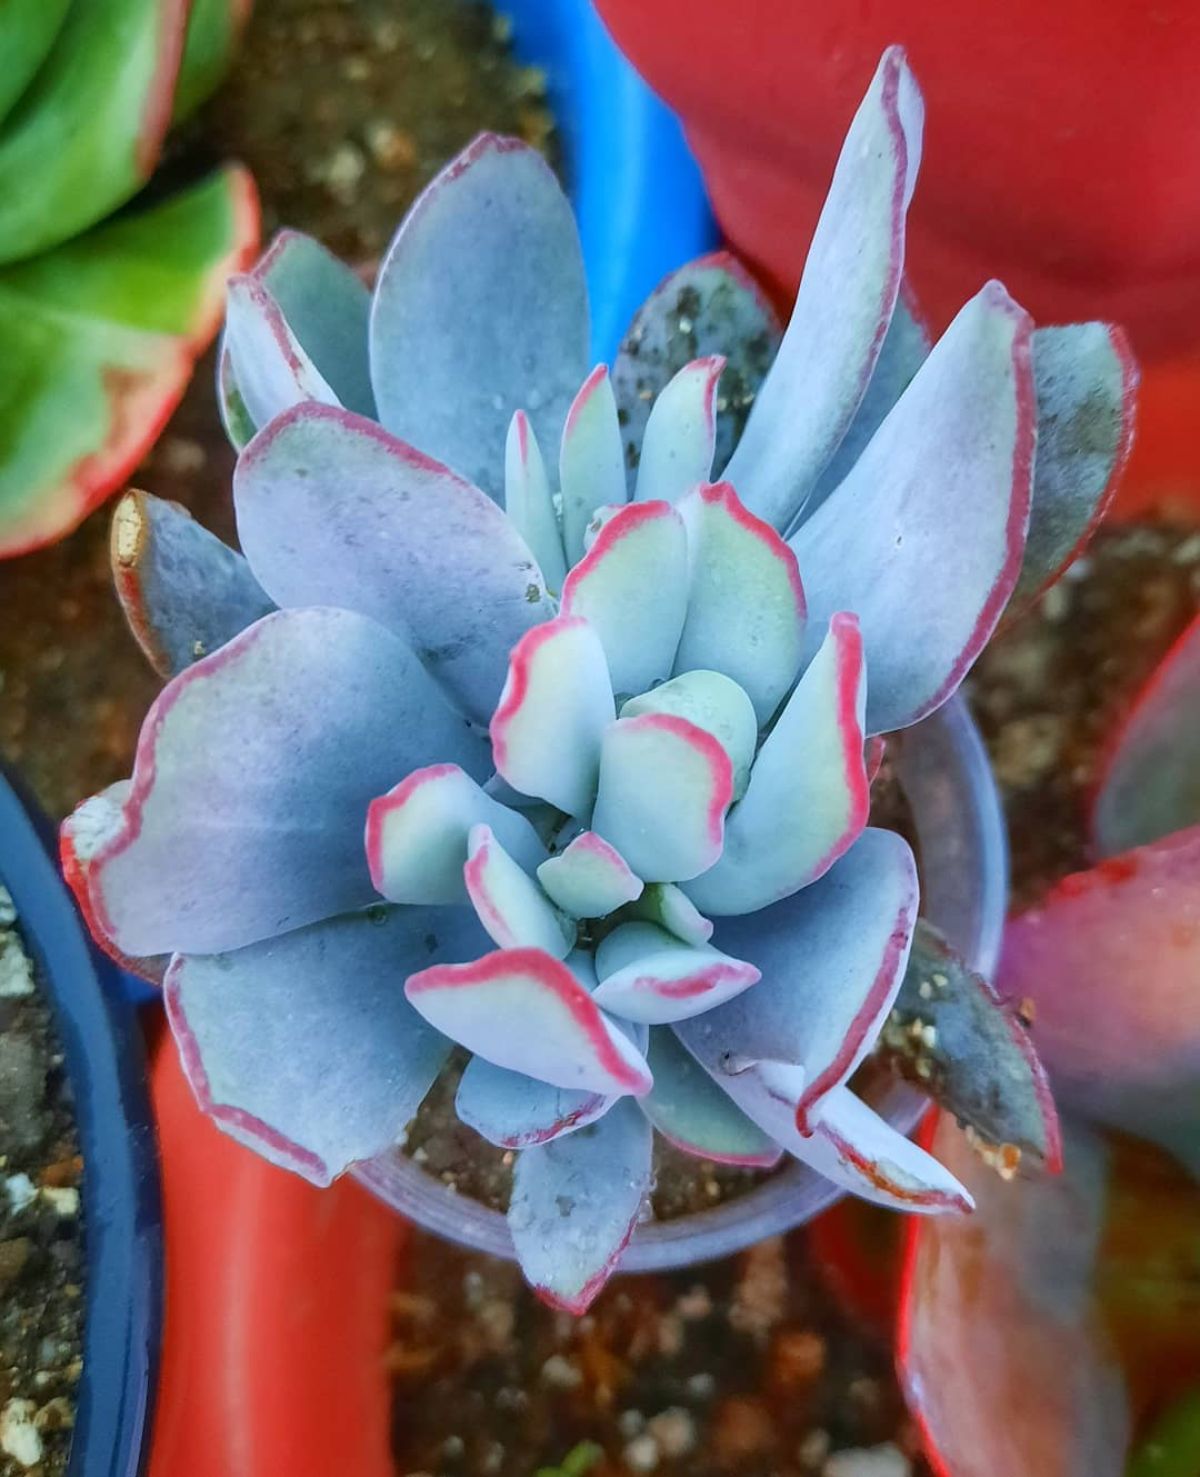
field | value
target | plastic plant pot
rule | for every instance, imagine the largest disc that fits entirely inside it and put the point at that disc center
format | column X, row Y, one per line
column 964, row 863
column 105, row 1064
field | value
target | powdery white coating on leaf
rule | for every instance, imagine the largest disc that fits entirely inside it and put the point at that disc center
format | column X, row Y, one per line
column 183, row 591
column 510, row 905
column 677, row 449
column 844, row 304
column 332, row 510
column 575, row 1203
column 1150, row 785
column 924, row 538
column 417, row 835
column 591, row 472
column 808, row 797
column 516, row 1112
column 648, row 975
column 1003, row 1350
column 715, row 703
column 489, row 258
column 253, row 774
column 529, row 502
column 632, row 587
column 522, row 1009
column 589, row 878
column 272, row 372
column 556, row 704
column 746, row 606
column 304, row 1046
column 665, row 786
column 832, row 959
column 691, row 1112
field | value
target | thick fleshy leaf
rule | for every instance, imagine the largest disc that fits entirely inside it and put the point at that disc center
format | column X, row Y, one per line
column 90, row 126
column 100, row 338
column 1002, row 1348
column 575, row 1203
column 270, row 368
column 924, row 538
column 480, row 310
column 690, row 1110
column 589, row 878
column 213, row 30
column 745, row 603
column 517, row 1112
column 665, row 786
column 904, row 350
column 646, row 974
column 418, row 835
column 28, row 29
column 958, row 1041
column 671, row 908
column 529, row 502
column 513, row 909
column 632, row 587
column 521, row 1009
column 843, row 306
column 1150, row 785
column 831, row 957
column 253, row 774
column 677, row 448
column 333, row 511
column 808, row 797
column 715, row 703
column 304, row 1046
column 556, row 704
column 1085, row 379
column 1110, row 962
column 184, row 592
column 591, row 472
column 710, row 306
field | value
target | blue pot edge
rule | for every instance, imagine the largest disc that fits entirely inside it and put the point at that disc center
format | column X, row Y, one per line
column 106, row 1065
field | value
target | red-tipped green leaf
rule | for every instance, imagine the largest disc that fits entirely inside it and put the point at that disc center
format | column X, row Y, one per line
column 513, row 909
column 648, row 975
column 517, row 1112
column 591, row 470
column 589, row 878
column 714, row 703
column 677, row 448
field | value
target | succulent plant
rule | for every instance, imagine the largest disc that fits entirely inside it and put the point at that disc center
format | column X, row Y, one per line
column 101, row 322
column 609, row 735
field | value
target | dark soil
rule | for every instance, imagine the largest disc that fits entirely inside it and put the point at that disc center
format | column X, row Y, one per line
column 41, row 1231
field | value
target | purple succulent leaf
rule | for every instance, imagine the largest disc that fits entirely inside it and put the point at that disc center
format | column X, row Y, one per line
column 251, row 783
column 591, row 469
column 691, row 1112
column 924, row 538
column 1085, row 379
column 680, row 436
column 184, row 592
column 746, row 608
column 517, row 1112
column 556, row 704
column 648, row 975
column 575, row 1204
column 1150, row 785
column 480, row 310
column 303, row 1046
column 671, row 908
column 272, row 372
column 954, row 1038
column 832, row 959
column 632, row 587
column 529, row 502
column 589, row 878
column 904, row 350
column 327, row 310
column 513, row 909
column 1110, row 961
column 711, row 306
column 844, row 304
column 808, row 797
column 418, row 834
column 665, row 786
column 524, row 1010
column 714, row 703
column 1005, row 1350
column 333, row 511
